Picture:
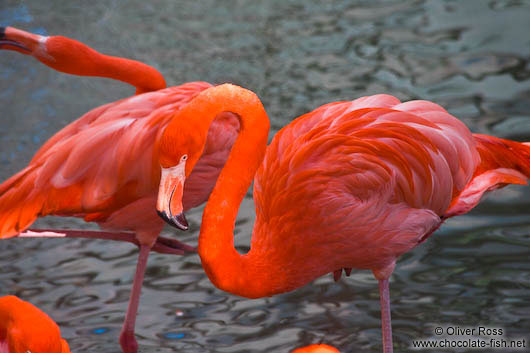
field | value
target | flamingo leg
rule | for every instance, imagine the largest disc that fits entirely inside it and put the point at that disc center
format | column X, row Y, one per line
column 162, row 245
column 386, row 324
column 127, row 341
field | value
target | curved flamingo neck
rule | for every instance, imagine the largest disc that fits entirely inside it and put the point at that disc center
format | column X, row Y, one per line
column 226, row 268
column 73, row 57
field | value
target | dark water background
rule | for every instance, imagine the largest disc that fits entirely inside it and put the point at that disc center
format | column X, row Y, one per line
column 470, row 56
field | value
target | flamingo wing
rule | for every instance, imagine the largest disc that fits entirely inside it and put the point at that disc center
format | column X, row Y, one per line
column 503, row 162
column 376, row 176
column 429, row 155
column 96, row 165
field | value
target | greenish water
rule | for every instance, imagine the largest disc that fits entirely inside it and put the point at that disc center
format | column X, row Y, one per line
column 470, row 56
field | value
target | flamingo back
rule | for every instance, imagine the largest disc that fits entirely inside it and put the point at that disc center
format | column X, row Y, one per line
column 427, row 154
column 373, row 173
column 503, row 162
column 356, row 184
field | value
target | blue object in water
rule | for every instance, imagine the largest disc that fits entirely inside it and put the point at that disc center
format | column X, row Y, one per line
column 175, row 335
column 99, row 331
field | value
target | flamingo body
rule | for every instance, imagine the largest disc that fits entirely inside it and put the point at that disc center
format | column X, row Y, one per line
column 25, row 328
column 357, row 184
column 103, row 166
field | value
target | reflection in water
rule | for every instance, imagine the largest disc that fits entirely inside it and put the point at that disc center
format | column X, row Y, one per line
column 295, row 56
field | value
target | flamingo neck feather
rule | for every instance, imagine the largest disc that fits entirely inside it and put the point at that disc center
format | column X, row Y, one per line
column 226, row 268
column 73, row 57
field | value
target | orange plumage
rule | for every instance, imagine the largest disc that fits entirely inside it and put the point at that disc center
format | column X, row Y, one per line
column 503, row 162
column 25, row 328
column 103, row 167
column 375, row 177
column 316, row 348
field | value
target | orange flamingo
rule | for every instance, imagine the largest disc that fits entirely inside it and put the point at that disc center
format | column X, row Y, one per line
column 25, row 328
column 316, row 348
column 104, row 166
column 349, row 185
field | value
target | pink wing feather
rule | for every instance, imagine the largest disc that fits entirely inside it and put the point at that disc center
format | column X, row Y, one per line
column 374, row 172
column 503, row 162
column 97, row 164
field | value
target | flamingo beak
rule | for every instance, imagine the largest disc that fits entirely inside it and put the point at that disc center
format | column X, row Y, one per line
column 18, row 40
column 169, row 203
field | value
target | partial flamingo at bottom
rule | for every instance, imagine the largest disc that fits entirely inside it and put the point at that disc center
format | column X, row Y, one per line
column 316, row 348
column 25, row 328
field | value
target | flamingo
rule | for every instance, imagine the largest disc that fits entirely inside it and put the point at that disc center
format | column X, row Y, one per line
column 25, row 328
column 104, row 166
column 316, row 348
column 352, row 184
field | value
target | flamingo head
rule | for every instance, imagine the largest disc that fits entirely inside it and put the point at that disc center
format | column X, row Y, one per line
column 58, row 52
column 21, row 41
column 180, row 148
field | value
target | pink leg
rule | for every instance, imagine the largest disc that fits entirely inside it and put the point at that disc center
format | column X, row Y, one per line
column 386, row 323
column 127, row 340
column 162, row 245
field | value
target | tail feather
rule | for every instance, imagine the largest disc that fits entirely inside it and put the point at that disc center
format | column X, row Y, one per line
column 500, row 153
column 503, row 162
column 20, row 204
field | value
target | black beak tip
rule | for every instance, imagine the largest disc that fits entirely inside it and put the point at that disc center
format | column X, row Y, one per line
column 179, row 221
column 163, row 215
column 9, row 42
column 182, row 221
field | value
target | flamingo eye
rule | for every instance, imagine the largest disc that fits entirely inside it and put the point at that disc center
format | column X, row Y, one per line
column 183, row 158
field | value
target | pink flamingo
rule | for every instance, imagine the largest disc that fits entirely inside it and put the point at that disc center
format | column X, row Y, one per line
column 104, row 166
column 348, row 185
